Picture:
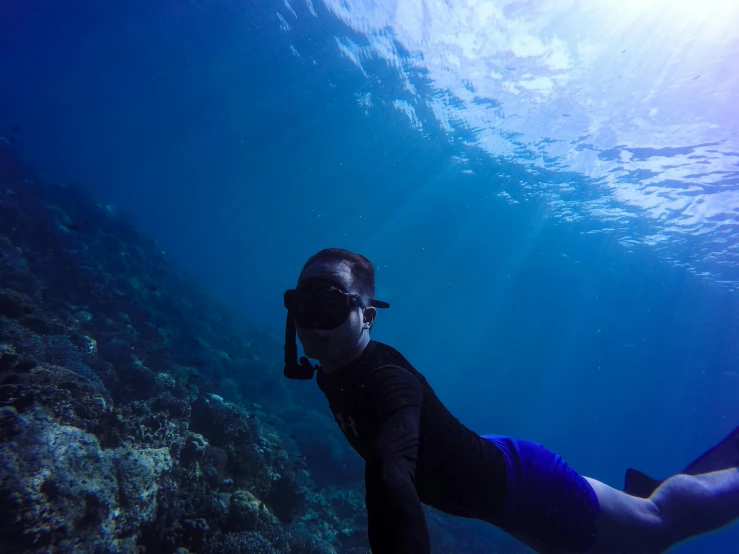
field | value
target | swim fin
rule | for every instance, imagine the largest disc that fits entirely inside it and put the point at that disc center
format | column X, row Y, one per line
column 640, row 484
column 722, row 456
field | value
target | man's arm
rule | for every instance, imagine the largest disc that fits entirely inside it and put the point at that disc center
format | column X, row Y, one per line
column 396, row 521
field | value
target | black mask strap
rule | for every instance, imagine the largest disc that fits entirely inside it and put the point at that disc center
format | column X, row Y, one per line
column 294, row 370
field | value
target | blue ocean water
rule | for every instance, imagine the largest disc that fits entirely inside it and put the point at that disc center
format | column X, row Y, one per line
column 549, row 193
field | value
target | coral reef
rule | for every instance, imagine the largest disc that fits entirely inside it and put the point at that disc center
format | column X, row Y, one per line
column 138, row 413
column 114, row 367
column 61, row 491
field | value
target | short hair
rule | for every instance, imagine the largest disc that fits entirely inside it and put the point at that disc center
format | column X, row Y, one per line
column 361, row 269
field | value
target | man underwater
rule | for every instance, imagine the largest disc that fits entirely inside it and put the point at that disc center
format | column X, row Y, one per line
column 416, row 452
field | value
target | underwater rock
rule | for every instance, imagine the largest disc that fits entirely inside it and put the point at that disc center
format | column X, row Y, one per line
column 135, row 381
column 196, row 527
column 240, row 543
column 116, row 351
column 14, row 268
column 248, row 513
column 231, row 428
column 217, row 462
column 8, row 357
column 62, row 493
column 143, row 425
column 164, row 381
column 55, row 350
column 68, row 395
column 174, row 407
column 83, row 317
column 14, row 304
column 286, row 497
column 139, row 471
column 193, row 449
column 304, row 539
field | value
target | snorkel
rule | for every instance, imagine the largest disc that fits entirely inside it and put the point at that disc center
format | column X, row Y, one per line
column 294, row 370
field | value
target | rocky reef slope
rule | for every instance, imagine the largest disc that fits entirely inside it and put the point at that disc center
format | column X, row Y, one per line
column 137, row 413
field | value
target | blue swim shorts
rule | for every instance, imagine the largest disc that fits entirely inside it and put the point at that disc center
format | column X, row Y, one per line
column 545, row 498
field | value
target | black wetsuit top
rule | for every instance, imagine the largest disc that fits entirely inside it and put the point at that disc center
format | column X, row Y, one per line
column 415, row 450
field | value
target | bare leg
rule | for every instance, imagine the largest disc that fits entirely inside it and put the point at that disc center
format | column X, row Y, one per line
column 682, row 507
column 693, row 505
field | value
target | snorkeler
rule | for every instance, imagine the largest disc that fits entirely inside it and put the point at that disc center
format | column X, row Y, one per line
column 417, row 452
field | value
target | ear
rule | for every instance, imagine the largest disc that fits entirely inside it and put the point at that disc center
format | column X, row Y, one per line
column 369, row 316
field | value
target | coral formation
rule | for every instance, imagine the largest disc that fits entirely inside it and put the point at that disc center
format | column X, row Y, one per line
column 137, row 412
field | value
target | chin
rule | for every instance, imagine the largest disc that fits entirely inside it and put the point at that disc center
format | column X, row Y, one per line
column 314, row 351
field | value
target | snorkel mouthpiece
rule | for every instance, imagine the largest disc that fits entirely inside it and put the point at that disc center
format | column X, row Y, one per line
column 294, row 370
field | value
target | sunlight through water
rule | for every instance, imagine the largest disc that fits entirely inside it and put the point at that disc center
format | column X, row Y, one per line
column 636, row 99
